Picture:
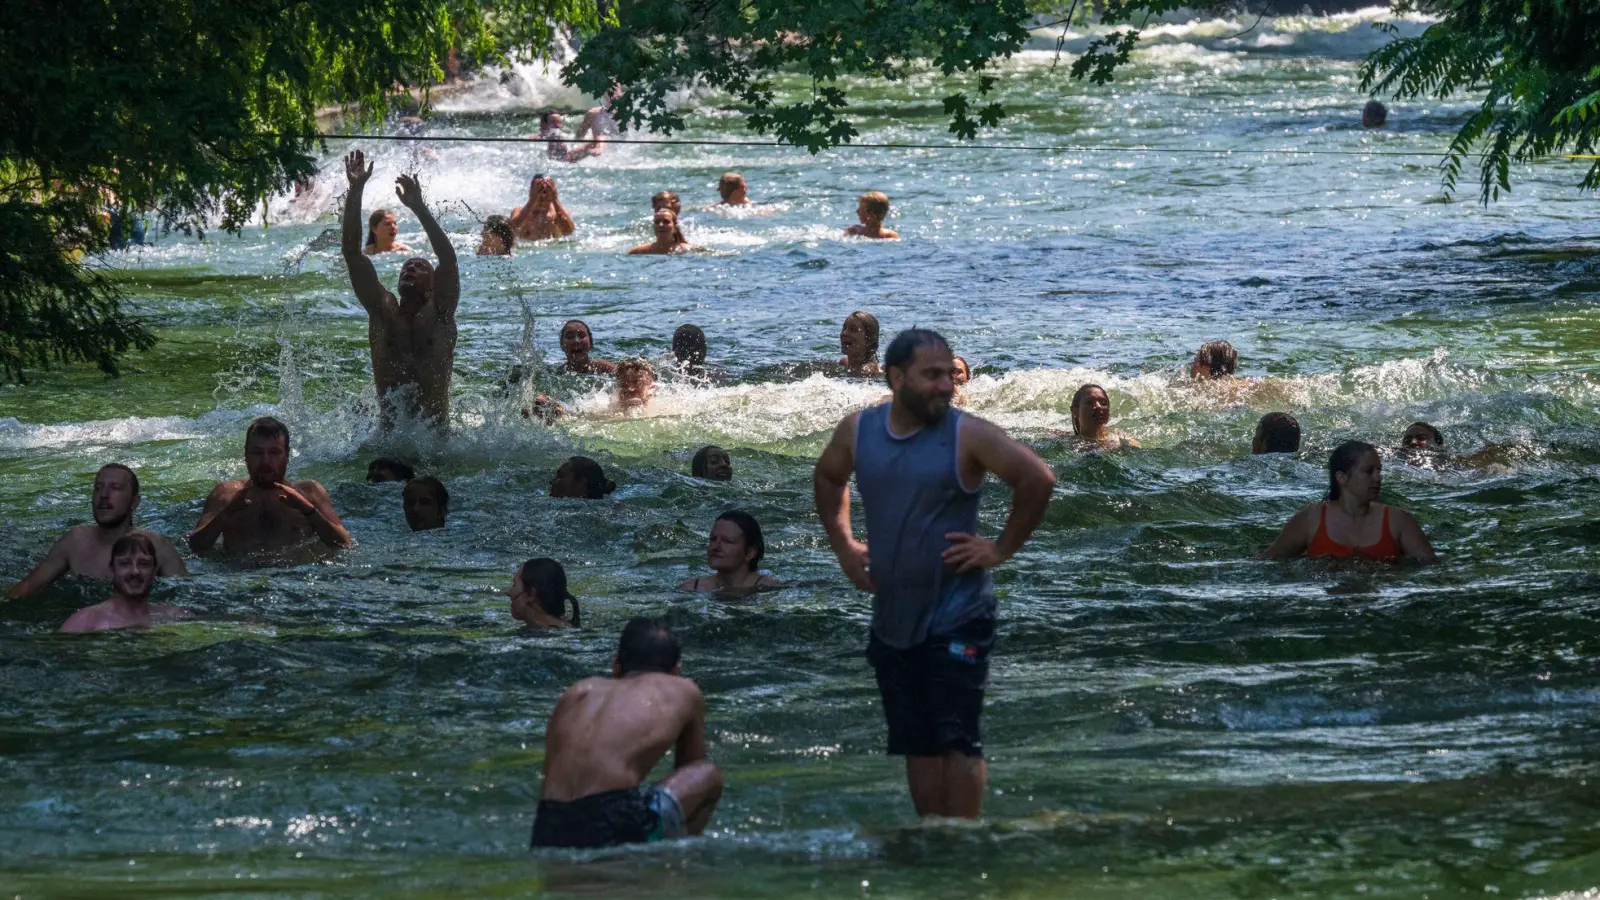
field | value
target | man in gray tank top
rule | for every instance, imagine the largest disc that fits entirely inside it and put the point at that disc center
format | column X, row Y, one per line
column 919, row 466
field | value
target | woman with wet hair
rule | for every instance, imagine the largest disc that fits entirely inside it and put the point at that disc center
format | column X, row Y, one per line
column 581, row 478
column 577, row 342
column 539, row 595
column 669, row 237
column 1351, row 523
column 712, row 463
column 1091, row 415
column 858, row 339
column 382, row 228
column 1217, row 359
column 733, row 552
column 961, row 376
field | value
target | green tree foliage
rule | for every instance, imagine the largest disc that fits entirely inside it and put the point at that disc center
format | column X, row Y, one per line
column 194, row 110
column 1537, row 63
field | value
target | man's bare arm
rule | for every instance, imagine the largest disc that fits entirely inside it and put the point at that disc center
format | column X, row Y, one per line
column 168, row 563
column 691, row 746
column 446, row 275
column 324, row 521
column 209, row 528
column 830, row 482
column 54, row 565
column 1031, row 483
column 363, row 277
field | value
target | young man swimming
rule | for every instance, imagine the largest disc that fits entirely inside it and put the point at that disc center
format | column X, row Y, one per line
column 872, row 208
column 133, row 575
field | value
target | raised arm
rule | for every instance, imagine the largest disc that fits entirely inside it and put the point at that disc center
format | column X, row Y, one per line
column 53, row 566
column 564, row 223
column 446, row 276
column 830, row 483
column 363, row 277
column 986, row 448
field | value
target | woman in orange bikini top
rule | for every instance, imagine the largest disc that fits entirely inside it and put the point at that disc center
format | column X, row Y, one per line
column 1355, row 478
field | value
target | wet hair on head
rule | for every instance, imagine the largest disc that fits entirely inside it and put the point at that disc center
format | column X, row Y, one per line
column 677, row 230
column 629, row 366
column 728, row 183
column 378, row 215
column 905, row 346
column 648, row 645
column 1220, row 357
column 1278, row 432
column 545, row 118
column 965, row 366
column 433, row 486
column 877, row 203
column 700, row 466
column 593, row 476
column 689, row 344
column 548, row 581
column 1081, row 395
column 133, row 477
column 869, row 327
column 665, row 200
column 587, row 331
column 1435, row 434
column 1344, row 459
column 399, row 467
column 751, row 529
column 500, row 227
column 1374, row 114
column 132, row 542
column 267, row 426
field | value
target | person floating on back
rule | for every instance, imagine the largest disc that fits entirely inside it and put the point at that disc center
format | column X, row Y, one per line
column 1277, row 432
column 264, row 513
column 1351, row 522
column 604, row 737
column 413, row 338
column 133, row 576
column 85, row 550
column 539, row 595
column 733, row 552
column 920, row 468
column 858, row 340
column 872, row 208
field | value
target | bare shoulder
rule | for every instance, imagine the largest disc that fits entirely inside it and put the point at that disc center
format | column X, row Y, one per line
column 226, row 489
column 767, row 581
column 891, row 235
column 1399, row 518
column 976, row 426
column 311, row 488
column 689, row 584
column 86, row 619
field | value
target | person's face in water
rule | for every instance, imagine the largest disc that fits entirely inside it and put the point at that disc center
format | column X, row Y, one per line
column 114, row 499
column 664, row 224
column 719, row 466
column 568, row 484
column 1094, row 411
column 726, row 550
column 267, row 460
column 926, row 385
column 575, row 339
column 133, row 574
column 416, row 278
column 422, row 508
column 853, row 340
column 1364, row 482
column 1419, row 438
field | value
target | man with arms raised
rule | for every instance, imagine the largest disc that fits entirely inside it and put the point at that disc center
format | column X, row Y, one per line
column 86, row 549
column 604, row 737
column 920, row 466
column 264, row 513
column 133, row 574
column 413, row 338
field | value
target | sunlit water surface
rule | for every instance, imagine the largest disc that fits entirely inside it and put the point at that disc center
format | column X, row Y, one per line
column 1168, row 717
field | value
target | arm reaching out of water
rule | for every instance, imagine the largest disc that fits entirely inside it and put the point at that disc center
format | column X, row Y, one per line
column 363, row 277
column 446, row 277
column 830, row 482
column 985, row 448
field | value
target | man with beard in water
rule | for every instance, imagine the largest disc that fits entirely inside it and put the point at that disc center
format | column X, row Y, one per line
column 604, row 737
column 263, row 513
column 133, row 573
column 920, row 466
column 86, row 549
column 413, row 338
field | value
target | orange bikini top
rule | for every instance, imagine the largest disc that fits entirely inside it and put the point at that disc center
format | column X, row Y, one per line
column 1387, row 549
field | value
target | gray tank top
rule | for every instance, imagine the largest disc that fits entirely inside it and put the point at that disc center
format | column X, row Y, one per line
column 912, row 495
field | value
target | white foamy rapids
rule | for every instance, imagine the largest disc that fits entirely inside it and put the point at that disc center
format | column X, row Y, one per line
column 1343, row 35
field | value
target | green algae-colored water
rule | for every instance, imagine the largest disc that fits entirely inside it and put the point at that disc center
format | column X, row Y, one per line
column 1168, row 716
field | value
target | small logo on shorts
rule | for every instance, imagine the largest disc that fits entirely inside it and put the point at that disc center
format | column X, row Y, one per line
column 965, row 652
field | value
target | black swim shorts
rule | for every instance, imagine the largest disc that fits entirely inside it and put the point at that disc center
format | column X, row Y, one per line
column 629, row 816
column 933, row 692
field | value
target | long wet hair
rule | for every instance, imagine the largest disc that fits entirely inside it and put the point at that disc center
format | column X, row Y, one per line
column 378, row 215
column 751, row 529
column 677, row 230
column 870, row 328
column 700, row 466
column 1344, row 459
column 1077, row 401
column 548, row 581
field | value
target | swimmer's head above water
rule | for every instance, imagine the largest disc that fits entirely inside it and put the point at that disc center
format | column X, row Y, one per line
column 858, row 338
column 116, row 495
column 498, row 238
column 133, row 566
column 689, row 346
column 735, row 543
column 666, row 200
column 963, row 371
column 387, row 468
column 266, row 451
column 426, row 503
column 732, row 188
column 921, row 374
column 664, row 225
column 1091, row 410
column 636, row 382
column 1422, row 436
column 647, row 645
column 1355, row 472
column 576, row 338
column 382, row 227
column 712, row 463
column 1276, row 432
column 416, row 281
column 1216, row 359
column 540, row 586
column 1374, row 114
column 581, row 478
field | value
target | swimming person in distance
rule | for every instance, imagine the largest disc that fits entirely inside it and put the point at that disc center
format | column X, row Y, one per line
column 543, row 217
column 733, row 552
column 426, row 503
column 1351, row 522
column 555, row 141
column 539, row 595
column 669, row 237
column 1374, row 114
column 604, row 737
column 577, row 342
column 1422, row 436
column 636, row 383
column 264, row 513
column 689, row 349
column 733, row 190
column 665, row 200
column 1091, row 411
column 133, row 575
column 963, row 374
column 858, row 339
column 387, row 468
column 580, row 478
column 498, row 237
column 1276, row 432
column 1217, row 359
column 85, row 550
column 712, row 463
column 872, row 208
column 382, row 227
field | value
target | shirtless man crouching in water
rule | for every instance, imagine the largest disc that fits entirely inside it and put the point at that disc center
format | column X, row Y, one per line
column 133, row 574
column 86, row 549
column 263, row 513
column 604, row 737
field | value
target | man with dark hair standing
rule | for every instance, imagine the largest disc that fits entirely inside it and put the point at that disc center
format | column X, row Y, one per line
column 604, row 737
column 920, row 467
column 86, row 549
column 264, row 513
column 133, row 574
column 413, row 338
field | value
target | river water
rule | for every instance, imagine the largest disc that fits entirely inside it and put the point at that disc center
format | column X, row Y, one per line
column 1168, row 717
